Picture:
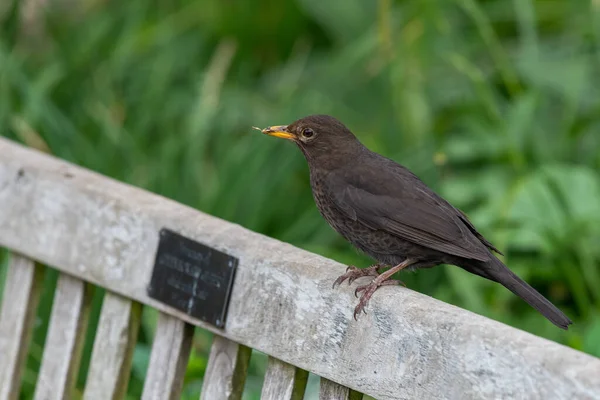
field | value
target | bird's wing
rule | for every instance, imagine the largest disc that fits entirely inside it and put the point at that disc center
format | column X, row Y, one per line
column 403, row 206
column 479, row 236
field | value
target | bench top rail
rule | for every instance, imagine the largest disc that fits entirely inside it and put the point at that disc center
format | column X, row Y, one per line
column 408, row 345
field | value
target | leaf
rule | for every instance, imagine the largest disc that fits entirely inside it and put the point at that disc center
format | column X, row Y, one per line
column 141, row 360
column 566, row 75
column 344, row 19
column 536, row 206
column 579, row 187
column 520, row 121
column 591, row 340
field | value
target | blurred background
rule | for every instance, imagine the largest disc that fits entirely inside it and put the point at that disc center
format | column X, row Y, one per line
column 495, row 104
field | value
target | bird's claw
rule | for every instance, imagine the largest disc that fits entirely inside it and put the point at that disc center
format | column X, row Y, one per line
column 364, row 299
column 353, row 273
column 350, row 271
column 359, row 289
column 368, row 292
column 357, row 310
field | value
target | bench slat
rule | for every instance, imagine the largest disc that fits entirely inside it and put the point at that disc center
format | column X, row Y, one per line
column 169, row 358
column 21, row 295
column 283, row 381
column 226, row 370
column 113, row 348
column 64, row 342
column 330, row 390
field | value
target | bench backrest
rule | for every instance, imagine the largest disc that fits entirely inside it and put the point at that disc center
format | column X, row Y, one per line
column 101, row 233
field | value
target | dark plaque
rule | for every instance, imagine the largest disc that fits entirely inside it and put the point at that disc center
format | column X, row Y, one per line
column 192, row 277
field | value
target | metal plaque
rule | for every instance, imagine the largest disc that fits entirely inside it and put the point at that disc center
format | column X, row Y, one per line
column 192, row 277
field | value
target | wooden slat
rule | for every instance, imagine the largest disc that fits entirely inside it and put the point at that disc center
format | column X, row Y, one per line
column 169, row 358
column 64, row 342
column 281, row 303
column 226, row 370
column 116, row 335
column 332, row 391
column 283, row 381
column 19, row 304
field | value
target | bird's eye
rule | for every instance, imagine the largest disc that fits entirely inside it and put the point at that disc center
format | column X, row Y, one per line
column 308, row 133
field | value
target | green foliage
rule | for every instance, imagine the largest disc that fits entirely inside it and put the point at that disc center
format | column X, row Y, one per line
column 494, row 104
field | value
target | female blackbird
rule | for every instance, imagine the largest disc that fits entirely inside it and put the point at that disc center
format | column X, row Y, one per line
column 387, row 212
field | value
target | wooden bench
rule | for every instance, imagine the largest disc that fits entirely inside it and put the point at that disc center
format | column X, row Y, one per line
column 99, row 232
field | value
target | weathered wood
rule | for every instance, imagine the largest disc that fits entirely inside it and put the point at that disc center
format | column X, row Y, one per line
column 17, row 317
column 282, row 303
column 226, row 370
column 332, row 391
column 169, row 358
column 112, row 354
column 64, row 341
column 283, row 381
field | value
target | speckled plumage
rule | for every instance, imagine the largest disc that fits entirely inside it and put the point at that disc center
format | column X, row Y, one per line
column 379, row 245
column 387, row 212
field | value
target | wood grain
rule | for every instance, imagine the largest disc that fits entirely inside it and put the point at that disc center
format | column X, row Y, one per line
column 329, row 390
column 283, row 381
column 17, row 317
column 64, row 341
column 226, row 370
column 408, row 345
column 112, row 354
column 169, row 358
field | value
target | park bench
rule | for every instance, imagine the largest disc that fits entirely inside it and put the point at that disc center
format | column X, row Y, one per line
column 99, row 232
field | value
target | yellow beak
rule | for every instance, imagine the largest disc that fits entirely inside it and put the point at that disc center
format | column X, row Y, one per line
column 279, row 131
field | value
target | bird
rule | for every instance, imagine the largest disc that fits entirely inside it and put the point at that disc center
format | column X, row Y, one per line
column 388, row 213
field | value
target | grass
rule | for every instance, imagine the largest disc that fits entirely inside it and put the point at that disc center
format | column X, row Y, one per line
column 495, row 104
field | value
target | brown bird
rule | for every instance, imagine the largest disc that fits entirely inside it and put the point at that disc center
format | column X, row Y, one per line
column 387, row 212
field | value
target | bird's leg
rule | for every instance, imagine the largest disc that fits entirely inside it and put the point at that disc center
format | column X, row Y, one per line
column 353, row 273
column 381, row 280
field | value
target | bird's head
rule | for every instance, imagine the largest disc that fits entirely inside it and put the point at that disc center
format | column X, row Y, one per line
column 321, row 138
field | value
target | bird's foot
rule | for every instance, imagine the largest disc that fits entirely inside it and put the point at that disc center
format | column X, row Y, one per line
column 353, row 273
column 368, row 291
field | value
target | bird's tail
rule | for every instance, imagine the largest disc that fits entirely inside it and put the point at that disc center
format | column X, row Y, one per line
column 500, row 273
